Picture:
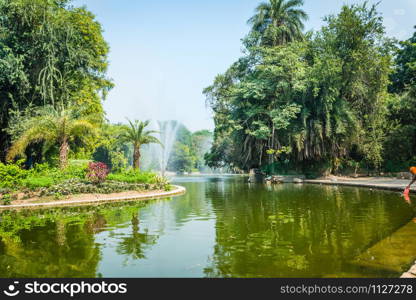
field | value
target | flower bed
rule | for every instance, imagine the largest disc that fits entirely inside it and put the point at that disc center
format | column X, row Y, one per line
column 17, row 184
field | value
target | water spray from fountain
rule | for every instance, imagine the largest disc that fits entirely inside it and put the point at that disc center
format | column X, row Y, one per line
column 167, row 132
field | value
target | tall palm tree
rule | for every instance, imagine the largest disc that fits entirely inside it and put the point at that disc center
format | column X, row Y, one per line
column 278, row 22
column 136, row 134
column 55, row 127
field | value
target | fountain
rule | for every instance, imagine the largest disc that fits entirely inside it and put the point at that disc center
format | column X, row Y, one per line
column 167, row 136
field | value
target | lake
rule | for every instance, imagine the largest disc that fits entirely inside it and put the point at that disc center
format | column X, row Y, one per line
column 222, row 227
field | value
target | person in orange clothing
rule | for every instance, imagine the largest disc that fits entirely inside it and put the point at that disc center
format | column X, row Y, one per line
column 413, row 171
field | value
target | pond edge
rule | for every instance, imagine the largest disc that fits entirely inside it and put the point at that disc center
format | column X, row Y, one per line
column 385, row 187
column 177, row 191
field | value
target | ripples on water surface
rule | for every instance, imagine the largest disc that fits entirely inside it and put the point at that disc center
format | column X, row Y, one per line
column 222, row 227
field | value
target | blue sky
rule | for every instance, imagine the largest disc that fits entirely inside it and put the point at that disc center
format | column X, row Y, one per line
column 164, row 52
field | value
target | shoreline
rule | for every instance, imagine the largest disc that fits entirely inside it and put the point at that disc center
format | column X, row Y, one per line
column 381, row 183
column 102, row 198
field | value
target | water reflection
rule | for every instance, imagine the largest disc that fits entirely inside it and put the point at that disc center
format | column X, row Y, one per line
column 54, row 243
column 298, row 231
column 222, row 227
column 49, row 247
column 135, row 244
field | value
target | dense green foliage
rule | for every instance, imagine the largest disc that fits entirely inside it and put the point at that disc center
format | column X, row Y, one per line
column 111, row 150
column 50, row 53
column 277, row 22
column 77, row 186
column 319, row 103
column 56, row 128
column 13, row 176
column 44, row 180
column 405, row 76
column 134, row 176
column 400, row 143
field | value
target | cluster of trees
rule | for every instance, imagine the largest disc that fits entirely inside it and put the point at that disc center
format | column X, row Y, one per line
column 53, row 63
column 121, row 145
column 342, row 97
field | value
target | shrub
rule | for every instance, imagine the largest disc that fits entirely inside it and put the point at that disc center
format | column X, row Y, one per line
column 75, row 171
column 77, row 186
column 58, row 196
column 118, row 161
column 11, row 175
column 72, row 171
column 6, row 199
column 33, row 183
column 162, row 183
column 134, row 176
column 97, row 172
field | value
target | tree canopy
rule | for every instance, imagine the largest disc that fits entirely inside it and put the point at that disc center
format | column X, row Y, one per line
column 277, row 22
column 311, row 103
column 51, row 53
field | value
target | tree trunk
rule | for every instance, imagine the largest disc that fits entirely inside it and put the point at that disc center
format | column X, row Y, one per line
column 63, row 154
column 136, row 158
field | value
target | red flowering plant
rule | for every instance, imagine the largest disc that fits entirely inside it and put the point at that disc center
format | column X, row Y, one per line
column 97, row 172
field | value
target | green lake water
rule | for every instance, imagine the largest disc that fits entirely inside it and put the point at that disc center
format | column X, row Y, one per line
column 222, row 227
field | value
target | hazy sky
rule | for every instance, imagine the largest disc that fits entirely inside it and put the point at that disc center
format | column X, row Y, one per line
column 164, row 52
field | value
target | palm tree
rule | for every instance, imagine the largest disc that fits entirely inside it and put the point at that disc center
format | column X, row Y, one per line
column 55, row 127
column 136, row 134
column 278, row 22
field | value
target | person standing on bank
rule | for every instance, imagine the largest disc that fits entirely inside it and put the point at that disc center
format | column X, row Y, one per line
column 413, row 171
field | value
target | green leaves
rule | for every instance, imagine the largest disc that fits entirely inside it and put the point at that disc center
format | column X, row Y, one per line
column 50, row 54
column 53, row 127
column 283, row 116
column 322, row 98
column 277, row 22
column 136, row 135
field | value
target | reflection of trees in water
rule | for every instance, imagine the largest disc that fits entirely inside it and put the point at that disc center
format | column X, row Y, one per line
column 58, row 242
column 192, row 203
column 136, row 243
column 291, row 230
column 57, row 249
column 177, row 210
